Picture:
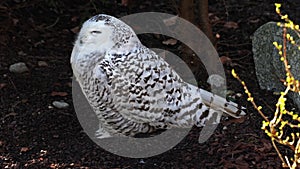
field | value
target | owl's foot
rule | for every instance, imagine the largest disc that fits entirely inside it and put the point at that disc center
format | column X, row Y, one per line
column 102, row 133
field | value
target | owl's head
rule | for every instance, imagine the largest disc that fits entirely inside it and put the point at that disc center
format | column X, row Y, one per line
column 102, row 33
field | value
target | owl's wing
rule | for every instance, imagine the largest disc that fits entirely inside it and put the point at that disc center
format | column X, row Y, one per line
column 101, row 90
column 147, row 90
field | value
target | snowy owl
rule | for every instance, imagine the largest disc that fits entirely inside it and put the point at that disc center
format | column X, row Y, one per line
column 131, row 89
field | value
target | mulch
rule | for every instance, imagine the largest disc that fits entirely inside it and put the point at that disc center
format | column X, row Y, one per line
column 34, row 134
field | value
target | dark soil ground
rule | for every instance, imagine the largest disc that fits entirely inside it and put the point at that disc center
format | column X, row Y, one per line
column 35, row 135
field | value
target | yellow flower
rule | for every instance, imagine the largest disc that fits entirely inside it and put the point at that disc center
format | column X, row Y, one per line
column 295, row 116
column 233, row 73
column 278, row 5
column 284, row 16
column 282, row 58
column 278, row 23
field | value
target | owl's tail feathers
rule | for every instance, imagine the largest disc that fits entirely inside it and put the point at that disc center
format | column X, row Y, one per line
column 220, row 104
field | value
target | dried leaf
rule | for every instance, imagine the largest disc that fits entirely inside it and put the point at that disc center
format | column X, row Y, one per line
column 53, row 166
column 170, row 42
column 54, row 93
column 69, row 84
column 235, row 120
column 10, row 114
column 75, row 29
column 74, row 18
column 24, row 149
column 125, row 2
column 213, row 18
column 225, row 60
column 254, row 20
column 2, row 85
column 231, row 25
column 24, row 100
column 170, row 21
column 3, row 8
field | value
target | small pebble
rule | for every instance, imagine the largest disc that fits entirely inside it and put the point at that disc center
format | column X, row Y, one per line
column 42, row 64
column 216, row 80
column 21, row 53
column 18, row 68
column 239, row 95
column 142, row 161
column 60, row 104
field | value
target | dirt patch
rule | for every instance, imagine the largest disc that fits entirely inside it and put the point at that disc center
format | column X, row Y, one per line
column 34, row 134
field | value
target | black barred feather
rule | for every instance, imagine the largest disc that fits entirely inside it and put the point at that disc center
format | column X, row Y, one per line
column 131, row 89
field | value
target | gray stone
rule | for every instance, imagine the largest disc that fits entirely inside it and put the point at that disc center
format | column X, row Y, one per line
column 269, row 69
column 60, row 104
column 42, row 64
column 18, row 68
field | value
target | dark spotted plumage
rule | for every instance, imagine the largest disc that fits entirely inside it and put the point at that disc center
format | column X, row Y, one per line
column 131, row 89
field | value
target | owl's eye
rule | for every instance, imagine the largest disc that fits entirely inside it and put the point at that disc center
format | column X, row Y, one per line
column 96, row 32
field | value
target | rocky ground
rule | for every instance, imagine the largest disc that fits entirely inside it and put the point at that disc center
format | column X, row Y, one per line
column 36, row 134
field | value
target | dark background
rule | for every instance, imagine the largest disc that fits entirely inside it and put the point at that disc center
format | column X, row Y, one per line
column 33, row 134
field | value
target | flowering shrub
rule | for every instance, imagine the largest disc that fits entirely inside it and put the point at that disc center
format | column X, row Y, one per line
column 284, row 126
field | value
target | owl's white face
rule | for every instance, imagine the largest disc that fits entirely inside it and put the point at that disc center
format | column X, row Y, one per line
column 93, row 37
column 100, row 35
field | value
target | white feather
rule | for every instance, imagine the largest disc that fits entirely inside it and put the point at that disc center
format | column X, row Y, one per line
column 131, row 89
